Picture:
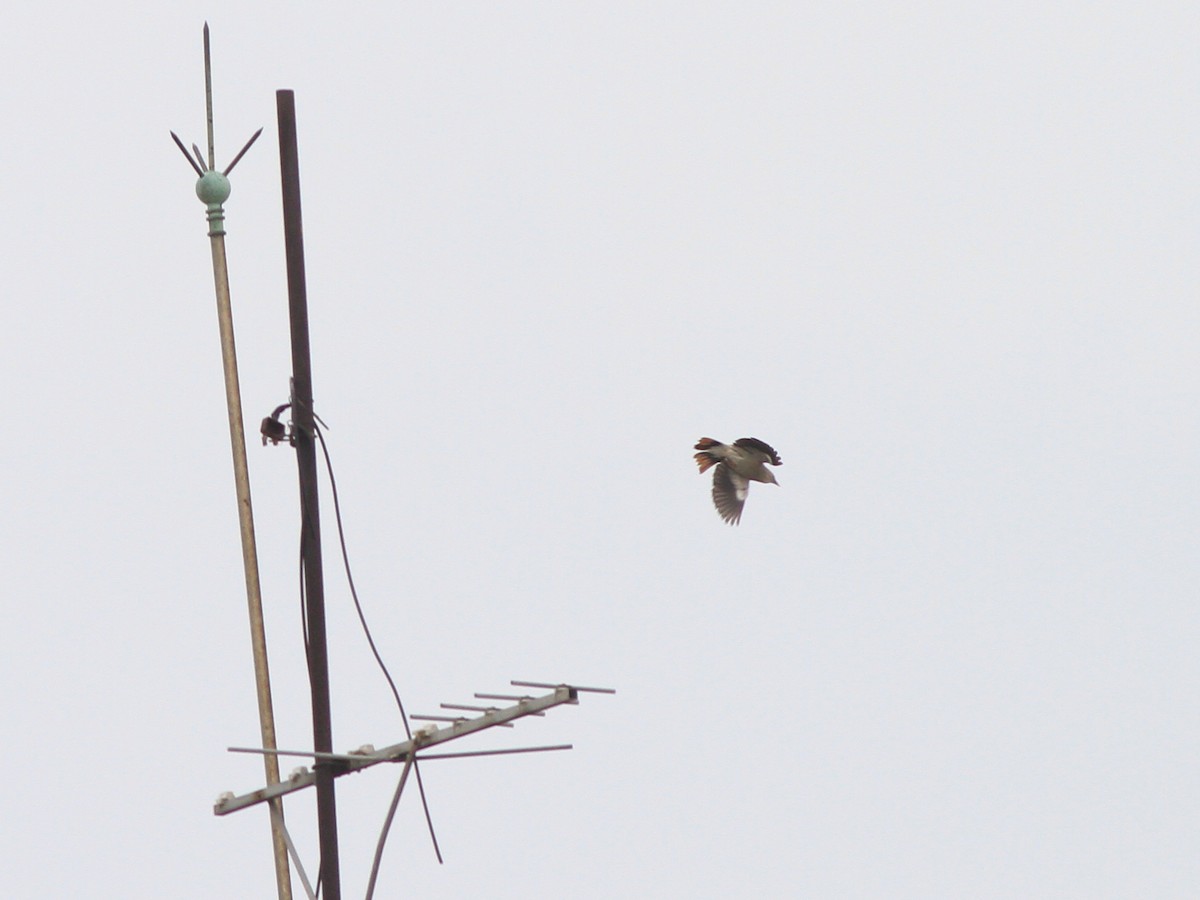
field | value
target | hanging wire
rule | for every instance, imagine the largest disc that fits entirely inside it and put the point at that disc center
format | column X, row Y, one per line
column 276, row 809
column 387, row 824
column 337, row 509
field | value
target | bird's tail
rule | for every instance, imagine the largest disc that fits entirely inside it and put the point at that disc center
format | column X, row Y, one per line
column 706, row 457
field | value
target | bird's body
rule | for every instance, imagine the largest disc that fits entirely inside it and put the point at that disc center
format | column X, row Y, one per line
column 737, row 464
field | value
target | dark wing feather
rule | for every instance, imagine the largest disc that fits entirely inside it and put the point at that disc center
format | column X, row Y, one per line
column 729, row 493
column 761, row 447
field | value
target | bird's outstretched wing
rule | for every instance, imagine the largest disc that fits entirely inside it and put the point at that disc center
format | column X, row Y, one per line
column 766, row 449
column 729, row 493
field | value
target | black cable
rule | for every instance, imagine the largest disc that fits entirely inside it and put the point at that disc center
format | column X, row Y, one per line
column 337, row 509
column 350, row 580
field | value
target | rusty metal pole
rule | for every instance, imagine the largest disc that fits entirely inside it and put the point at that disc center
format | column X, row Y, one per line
column 304, row 438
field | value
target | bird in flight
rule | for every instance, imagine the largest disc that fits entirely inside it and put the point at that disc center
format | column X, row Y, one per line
column 736, row 466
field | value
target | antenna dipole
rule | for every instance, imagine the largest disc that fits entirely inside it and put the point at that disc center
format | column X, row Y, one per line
column 213, row 190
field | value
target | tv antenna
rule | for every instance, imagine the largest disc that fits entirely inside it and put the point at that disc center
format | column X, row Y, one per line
column 213, row 190
column 408, row 752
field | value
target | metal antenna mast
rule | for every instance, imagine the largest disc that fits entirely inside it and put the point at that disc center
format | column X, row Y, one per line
column 304, row 439
column 213, row 190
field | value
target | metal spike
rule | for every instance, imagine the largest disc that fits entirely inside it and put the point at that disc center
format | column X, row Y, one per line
column 199, row 156
column 186, row 155
column 242, row 152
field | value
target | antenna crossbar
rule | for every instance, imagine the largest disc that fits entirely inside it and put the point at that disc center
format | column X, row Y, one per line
column 428, row 737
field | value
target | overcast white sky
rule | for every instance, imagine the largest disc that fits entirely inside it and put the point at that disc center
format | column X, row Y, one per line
column 940, row 256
